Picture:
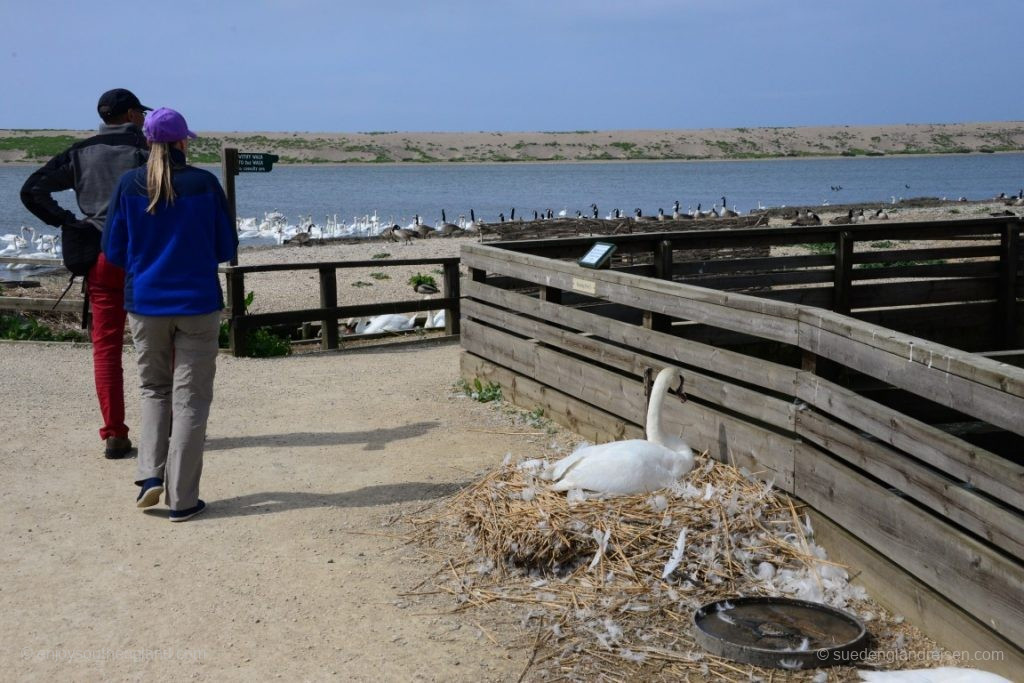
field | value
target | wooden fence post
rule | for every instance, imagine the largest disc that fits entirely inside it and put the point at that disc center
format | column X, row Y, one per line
column 228, row 171
column 236, row 307
column 660, row 322
column 1009, row 257
column 452, row 289
column 329, row 299
column 843, row 275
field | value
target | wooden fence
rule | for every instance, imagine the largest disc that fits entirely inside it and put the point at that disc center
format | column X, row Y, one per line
column 37, row 304
column 908, row 447
column 329, row 312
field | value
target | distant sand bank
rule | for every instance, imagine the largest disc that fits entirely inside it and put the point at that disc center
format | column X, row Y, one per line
column 28, row 146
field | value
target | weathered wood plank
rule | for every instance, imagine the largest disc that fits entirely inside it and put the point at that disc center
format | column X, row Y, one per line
column 452, row 290
column 970, row 314
column 20, row 303
column 932, row 270
column 39, row 262
column 900, row 593
column 760, row 280
column 992, row 522
column 744, row 443
column 765, row 264
column 354, row 311
column 764, row 318
column 921, row 292
column 785, row 236
column 927, row 254
column 594, row 424
column 919, row 353
column 971, row 575
column 329, row 301
column 937, row 382
column 1007, row 297
column 317, row 265
column 888, row 294
column 236, row 305
column 736, row 365
column 753, row 404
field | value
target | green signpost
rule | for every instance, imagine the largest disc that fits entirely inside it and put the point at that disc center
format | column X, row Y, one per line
column 255, row 162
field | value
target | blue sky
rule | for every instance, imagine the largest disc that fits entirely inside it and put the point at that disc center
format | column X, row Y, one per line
column 450, row 65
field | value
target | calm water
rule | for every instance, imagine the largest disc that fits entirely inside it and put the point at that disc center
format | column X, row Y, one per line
column 398, row 192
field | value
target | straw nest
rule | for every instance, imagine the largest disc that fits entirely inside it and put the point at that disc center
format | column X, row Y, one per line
column 606, row 586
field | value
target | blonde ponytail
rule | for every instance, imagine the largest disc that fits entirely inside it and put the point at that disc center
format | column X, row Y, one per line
column 158, row 176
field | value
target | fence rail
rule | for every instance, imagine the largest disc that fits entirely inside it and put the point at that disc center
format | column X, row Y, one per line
column 37, row 305
column 329, row 312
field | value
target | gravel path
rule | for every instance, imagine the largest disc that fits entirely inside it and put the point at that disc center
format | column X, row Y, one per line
column 296, row 569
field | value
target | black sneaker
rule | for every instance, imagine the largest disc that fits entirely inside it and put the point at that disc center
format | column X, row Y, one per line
column 182, row 515
column 149, row 492
column 117, row 447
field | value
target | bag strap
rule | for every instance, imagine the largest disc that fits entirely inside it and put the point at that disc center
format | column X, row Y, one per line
column 85, row 300
column 64, row 293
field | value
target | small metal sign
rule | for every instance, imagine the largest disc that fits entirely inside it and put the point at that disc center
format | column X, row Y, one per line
column 255, row 162
column 585, row 286
column 598, row 256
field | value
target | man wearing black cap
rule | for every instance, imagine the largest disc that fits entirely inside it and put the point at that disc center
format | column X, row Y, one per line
column 92, row 168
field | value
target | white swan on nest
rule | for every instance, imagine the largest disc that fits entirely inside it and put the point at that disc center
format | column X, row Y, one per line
column 391, row 322
column 945, row 674
column 632, row 466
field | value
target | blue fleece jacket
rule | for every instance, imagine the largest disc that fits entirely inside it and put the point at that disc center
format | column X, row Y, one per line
column 170, row 258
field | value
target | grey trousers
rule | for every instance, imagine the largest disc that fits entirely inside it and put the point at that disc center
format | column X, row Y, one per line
column 177, row 358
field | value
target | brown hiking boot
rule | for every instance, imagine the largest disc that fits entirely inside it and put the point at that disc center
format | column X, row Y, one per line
column 117, row 447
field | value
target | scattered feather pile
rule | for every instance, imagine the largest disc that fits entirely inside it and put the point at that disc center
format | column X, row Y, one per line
column 609, row 584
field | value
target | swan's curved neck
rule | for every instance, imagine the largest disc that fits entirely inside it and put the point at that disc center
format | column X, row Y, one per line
column 655, row 432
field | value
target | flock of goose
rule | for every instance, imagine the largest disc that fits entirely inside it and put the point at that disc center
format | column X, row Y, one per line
column 275, row 228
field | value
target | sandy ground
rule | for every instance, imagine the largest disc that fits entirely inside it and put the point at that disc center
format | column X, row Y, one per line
column 295, row 570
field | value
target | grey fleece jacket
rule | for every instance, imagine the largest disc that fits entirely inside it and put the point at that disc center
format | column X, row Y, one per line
column 92, row 168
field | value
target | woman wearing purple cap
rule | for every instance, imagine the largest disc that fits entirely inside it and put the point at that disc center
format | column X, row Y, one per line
column 169, row 227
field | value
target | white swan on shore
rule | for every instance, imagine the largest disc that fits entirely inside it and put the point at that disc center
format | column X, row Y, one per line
column 391, row 322
column 631, row 466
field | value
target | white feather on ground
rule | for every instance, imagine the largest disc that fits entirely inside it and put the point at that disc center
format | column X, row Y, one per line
column 602, row 546
column 677, row 555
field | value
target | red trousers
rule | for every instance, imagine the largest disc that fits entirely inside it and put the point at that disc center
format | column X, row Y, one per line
column 106, row 300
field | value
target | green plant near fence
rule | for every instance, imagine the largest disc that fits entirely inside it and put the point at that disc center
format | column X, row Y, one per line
column 480, row 391
column 897, row 264
column 263, row 342
column 27, row 328
column 421, row 279
column 820, row 247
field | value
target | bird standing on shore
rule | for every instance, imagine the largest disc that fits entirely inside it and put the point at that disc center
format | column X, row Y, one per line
column 404, row 235
column 423, row 229
column 726, row 211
